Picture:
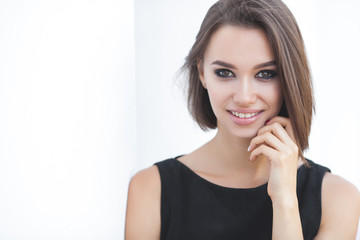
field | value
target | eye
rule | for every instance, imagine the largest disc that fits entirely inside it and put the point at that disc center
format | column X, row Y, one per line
column 224, row 73
column 266, row 74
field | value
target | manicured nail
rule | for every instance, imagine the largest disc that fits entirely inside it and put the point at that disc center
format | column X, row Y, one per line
column 267, row 121
column 248, row 149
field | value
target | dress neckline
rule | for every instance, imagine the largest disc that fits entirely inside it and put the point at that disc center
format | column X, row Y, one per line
column 215, row 185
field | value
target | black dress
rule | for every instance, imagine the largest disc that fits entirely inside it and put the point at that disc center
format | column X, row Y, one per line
column 193, row 208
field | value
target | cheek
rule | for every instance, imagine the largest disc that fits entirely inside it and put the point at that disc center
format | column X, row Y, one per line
column 272, row 94
column 218, row 95
column 277, row 96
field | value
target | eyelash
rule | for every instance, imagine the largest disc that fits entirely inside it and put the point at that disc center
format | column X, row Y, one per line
column 220, row 73
column 272, row 74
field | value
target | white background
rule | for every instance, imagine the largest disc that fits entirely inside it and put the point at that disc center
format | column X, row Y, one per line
column 89, row 94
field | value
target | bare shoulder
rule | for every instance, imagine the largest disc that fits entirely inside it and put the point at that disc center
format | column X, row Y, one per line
column 146, row 178
column 336, row 188
column 340, row 208
column 143, row 206
column 146, row 185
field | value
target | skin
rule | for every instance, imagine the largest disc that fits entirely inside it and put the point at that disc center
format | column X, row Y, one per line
column 246, row 156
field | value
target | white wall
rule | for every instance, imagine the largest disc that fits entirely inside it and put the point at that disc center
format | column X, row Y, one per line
column 67, row 97
column 332, row 35
column 164, row 32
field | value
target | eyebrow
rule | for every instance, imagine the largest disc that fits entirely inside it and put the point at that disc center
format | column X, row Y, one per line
column 228, row 65
column 266, row 64
column 223, row 64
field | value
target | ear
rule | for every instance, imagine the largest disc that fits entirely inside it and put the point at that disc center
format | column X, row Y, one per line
column 200, row 67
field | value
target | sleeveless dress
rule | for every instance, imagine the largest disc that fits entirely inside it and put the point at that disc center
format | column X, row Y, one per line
column 193, row 208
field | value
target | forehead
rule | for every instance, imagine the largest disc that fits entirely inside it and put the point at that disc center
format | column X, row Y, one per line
column 239, row 45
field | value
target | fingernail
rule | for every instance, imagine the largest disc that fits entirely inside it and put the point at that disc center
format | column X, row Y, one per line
column 267, row 121
column 248, row 149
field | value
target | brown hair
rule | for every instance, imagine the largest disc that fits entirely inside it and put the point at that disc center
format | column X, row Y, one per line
column 276, row 20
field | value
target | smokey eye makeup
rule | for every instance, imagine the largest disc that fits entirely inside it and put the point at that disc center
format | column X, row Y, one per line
column 224, row 73
column 266, row 74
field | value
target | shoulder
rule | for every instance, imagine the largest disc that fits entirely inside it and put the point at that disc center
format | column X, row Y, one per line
column 143, row 206
column 145, row 187
column 148, row 177
column 336, row 191
column 340, row 208
column 146, row 184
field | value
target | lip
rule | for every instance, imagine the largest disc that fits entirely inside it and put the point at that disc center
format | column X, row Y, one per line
column 245, row 110
column 245, row 121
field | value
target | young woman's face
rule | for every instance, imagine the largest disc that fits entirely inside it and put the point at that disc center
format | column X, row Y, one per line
column 239, row 72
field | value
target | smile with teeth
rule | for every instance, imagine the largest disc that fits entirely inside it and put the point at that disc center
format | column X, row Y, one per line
column 244, row 115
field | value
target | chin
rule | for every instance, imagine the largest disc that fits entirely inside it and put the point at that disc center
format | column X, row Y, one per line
column 245, row 133
column 242, row 131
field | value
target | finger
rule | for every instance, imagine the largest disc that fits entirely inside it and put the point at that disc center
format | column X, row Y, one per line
column 278, row 130
column 285, row 123
column 265, row 150
column 267, row 138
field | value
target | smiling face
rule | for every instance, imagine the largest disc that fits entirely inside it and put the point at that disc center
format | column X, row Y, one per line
column 239, row 72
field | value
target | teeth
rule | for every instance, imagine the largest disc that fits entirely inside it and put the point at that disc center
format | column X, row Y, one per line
column 244, row 115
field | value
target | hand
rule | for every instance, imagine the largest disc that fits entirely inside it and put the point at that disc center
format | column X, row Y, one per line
column 276, row 141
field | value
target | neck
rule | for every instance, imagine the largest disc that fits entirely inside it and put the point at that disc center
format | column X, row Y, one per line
column 230, row 152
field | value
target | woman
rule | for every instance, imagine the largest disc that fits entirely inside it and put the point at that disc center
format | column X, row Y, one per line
column 249, row 78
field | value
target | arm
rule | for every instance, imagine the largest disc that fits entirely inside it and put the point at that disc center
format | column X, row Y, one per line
column 340, row 209
column 143, row 206
column 286, row 220
column 276, row 141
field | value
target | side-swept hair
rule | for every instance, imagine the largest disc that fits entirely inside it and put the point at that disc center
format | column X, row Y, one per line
column 278, row 23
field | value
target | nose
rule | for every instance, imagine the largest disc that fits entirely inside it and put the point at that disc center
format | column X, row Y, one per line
column 244, row 92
